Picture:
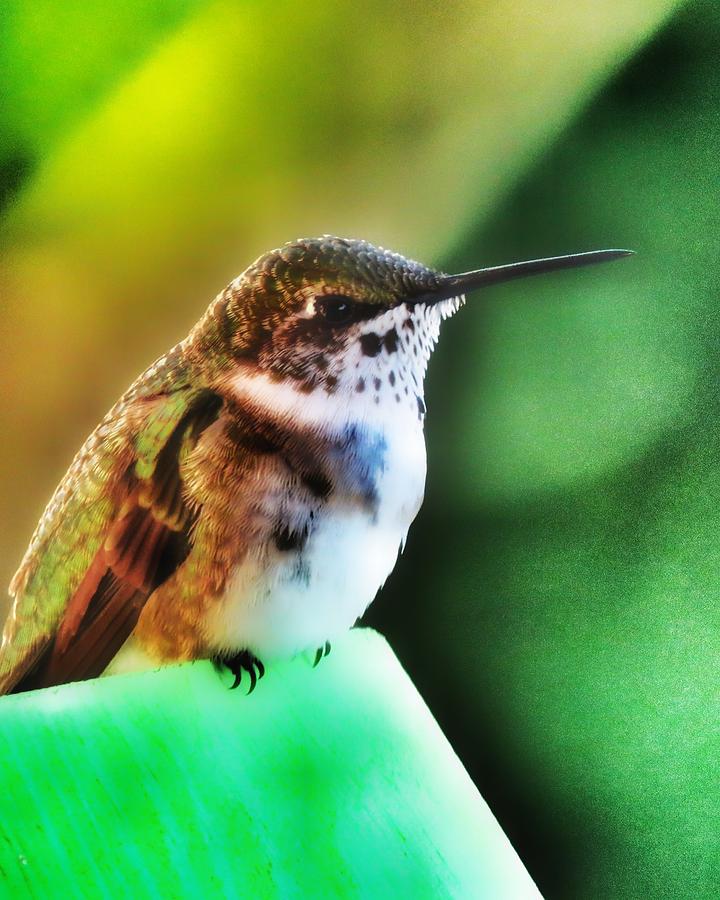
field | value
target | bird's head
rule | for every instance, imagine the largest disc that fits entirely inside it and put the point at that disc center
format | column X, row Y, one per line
column 346, row 317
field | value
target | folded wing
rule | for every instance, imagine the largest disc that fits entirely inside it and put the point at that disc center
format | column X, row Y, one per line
column 118, row 526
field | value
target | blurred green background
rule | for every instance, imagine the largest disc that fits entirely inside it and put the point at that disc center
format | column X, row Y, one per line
column 557, row 603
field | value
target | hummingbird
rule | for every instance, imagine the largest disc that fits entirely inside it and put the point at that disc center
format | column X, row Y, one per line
column 250, row 493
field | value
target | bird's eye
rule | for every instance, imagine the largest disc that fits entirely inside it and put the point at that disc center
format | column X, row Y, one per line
column 334, row 308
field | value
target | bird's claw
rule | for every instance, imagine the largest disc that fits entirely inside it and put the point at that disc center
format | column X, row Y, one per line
column 321, row 652
column 242, row 662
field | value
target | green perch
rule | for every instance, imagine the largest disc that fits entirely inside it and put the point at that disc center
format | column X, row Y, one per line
column 327, row 782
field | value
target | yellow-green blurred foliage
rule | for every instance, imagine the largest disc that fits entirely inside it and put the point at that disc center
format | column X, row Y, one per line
column 557, row 599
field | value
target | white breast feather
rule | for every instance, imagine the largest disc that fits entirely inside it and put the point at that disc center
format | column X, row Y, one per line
column 351, row 551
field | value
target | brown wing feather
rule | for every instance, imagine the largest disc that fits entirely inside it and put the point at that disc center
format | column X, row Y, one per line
column 144, row 545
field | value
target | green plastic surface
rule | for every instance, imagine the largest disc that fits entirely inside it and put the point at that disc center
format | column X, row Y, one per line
column 333, row 781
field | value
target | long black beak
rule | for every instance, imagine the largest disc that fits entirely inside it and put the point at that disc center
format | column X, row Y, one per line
column 454, row 285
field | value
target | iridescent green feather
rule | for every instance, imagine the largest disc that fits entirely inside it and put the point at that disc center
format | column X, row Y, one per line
column 76, row 520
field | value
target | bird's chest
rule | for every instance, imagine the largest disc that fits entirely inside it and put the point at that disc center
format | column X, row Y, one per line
column 295, row 593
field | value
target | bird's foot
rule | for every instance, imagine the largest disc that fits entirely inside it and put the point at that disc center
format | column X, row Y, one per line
column 244, row 661
column 321, row 652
